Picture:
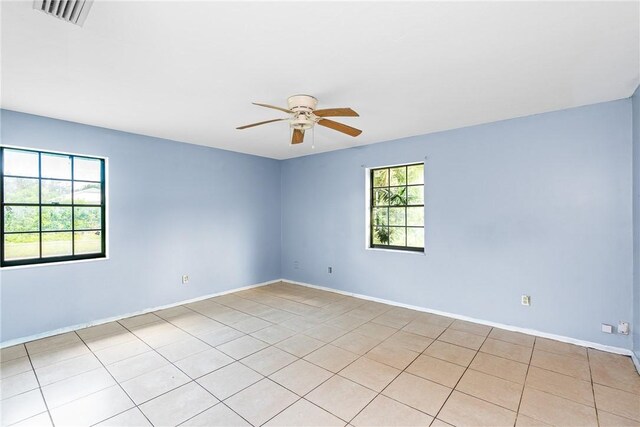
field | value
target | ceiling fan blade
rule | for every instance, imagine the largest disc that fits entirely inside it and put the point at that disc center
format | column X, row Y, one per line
column 260, row 123
column 339, row 127
column 298, row 136
column 273, row 106
column 336, row 112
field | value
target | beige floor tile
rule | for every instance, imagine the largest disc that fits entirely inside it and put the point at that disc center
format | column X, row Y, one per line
column 369, row 373
column 331, row 358
column 52, row 343
column 300, row 345
column 611, row 420
column 356, row 343
column 617, row 402
column 131, row 418
column 418, row 393
column 500, row 367
column 120, row 352
column 409, row 341
column 70, row 389
column 392, row 319
column 392, row 355
column 451, row 353
column 106, row 341
column 17, row 384
column 276, row 316
column 136, row 365
column 440, row 423
column 614, row 370
column 436, row 370
column 154, row 383
column 298, row 323
column 170, row 312
column 269, row 360
column 15, row 366
column 383, row 411
column 346, row 322
column 463, row 339
column 40, row 420
column 101, row 330
column 560, row 385
column 465, row 410
column 420, row 327
column 506, row 350
column 261, row 401
column 220, row 336
column 492, row 389
column 183, row 349
column 218, row 416
column 202, row 363
column 178, row 405
column 512, row 337
column 436, row 319
column 229, row 380
column 563, row 348
column 524, row 421
column 470, row 327
column 556, row 410
column 304, row 414
column 325, row 333
column 93, row 408
column 566, row 365
column 143, row 319
column 66, row 352
column 21, row 406
column 13, row 352
column 273, row 334
column 251, row 325
column 67, row 368
column 242, row 347
column 301, row 377
column 341, row 397
column 375, row 331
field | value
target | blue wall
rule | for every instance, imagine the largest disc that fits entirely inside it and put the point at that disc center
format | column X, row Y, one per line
column 173, row 209
column 538, row 205
column 636, row 221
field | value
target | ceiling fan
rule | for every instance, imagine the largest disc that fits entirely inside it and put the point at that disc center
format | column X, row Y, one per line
column 303, row 116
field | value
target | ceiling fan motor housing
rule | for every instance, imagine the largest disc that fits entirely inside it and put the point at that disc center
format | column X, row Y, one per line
column 302, row 107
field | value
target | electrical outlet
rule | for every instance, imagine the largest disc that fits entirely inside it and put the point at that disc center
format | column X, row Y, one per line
column 623, row 328
column 525, row 300
column 185, row 279
column 607, row 329
column 330, row 269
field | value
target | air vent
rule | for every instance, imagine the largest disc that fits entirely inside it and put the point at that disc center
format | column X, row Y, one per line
column 74, row 11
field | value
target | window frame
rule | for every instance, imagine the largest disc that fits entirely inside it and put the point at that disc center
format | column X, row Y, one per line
column 369, row 182
column 41, row 261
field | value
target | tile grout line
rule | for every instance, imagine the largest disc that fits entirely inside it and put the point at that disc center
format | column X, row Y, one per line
column 35, row 374
column 593, row 390
column 524, row 384
column 463, row 373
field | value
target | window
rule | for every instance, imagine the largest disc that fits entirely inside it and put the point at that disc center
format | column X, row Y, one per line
column 397, row 207
column 53, row 207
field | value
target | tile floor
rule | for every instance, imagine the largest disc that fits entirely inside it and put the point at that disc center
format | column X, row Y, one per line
column 285, row 355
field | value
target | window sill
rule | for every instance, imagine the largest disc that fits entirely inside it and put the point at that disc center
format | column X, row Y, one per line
column 399, row 251
column 52, row 264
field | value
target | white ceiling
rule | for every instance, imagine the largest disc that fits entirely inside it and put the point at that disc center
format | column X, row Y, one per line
column 188, row 71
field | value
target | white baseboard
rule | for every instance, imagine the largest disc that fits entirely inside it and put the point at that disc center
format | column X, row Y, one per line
column 597, row 346
column 123, row 316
